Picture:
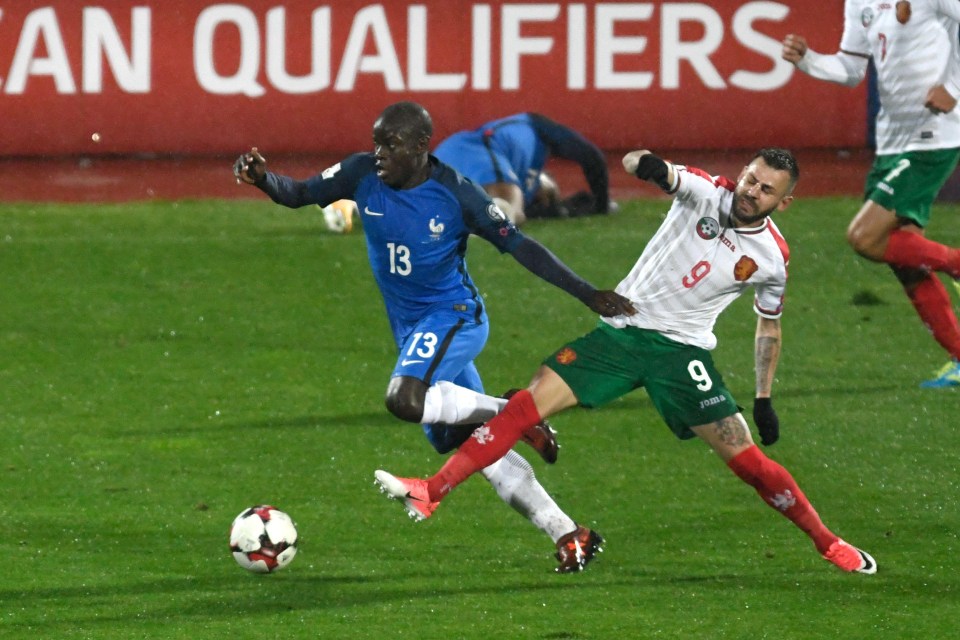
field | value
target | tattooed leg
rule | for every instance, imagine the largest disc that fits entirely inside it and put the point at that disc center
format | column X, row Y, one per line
column 728, row 436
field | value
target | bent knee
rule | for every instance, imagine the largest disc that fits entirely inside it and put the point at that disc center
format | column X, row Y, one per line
column 865, row 243
column 405, row 408
column 870, row 229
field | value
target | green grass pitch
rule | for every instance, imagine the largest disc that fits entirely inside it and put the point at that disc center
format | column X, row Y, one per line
column 166, row 365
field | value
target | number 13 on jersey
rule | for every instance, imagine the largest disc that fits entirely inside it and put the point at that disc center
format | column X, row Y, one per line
column 399, row 259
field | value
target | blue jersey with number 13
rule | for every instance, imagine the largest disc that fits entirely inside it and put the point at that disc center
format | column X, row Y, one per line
column 417, row 238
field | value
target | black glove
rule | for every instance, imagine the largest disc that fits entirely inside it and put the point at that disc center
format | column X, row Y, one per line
column 653, row 169
column 768, row 424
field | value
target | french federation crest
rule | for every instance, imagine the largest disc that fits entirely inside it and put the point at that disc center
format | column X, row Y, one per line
column 708, row 228
column 436, row 229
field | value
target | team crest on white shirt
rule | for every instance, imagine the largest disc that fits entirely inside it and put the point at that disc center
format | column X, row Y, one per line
column 903, row 12
column 708, row 228
column 745, row 267
column 866, row 17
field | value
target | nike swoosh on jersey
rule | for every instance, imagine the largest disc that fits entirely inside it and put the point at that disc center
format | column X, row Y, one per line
column 367, row 211
column 404, row 363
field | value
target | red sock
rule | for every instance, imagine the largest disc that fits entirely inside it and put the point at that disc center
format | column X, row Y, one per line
column 488, row 444
column 907, row 249
column 932, row 302
column 778, row 489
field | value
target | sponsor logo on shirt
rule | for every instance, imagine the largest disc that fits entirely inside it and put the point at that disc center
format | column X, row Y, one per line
column 566, row 355
column 745, row 267
column 725, row 241
column 707, row 228
column 709, row 402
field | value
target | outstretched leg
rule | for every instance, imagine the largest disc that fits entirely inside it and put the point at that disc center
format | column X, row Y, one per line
column 731, row 439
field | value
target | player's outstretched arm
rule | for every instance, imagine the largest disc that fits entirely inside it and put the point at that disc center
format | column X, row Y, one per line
column 251, row 168
column 842, row 67
column 541, row 262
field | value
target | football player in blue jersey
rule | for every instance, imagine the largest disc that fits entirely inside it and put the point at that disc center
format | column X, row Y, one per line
column 507, row 157
column 417, row 216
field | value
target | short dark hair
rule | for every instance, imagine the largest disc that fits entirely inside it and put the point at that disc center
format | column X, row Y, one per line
column 410, row 117
column 781, row 160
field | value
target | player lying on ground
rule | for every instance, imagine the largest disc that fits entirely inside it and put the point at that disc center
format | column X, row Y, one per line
column 716, row 240
column 507, row 157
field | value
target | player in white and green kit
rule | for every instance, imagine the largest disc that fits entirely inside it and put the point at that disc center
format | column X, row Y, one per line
column 915, row 49
column 717, row 242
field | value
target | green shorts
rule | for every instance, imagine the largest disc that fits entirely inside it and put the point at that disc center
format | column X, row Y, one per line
column 908, row 183
column 681, row 380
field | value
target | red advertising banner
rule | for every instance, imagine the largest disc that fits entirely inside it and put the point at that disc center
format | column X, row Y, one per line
column 202, row 77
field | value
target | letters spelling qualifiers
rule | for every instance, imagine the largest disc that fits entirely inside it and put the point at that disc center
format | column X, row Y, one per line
column 41, row 51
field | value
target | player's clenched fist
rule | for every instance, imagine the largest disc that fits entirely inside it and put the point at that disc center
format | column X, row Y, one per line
column 794, row 48
column 250, row 167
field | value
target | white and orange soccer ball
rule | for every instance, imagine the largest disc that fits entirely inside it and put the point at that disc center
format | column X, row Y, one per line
column 339, row 216
column 263, row 539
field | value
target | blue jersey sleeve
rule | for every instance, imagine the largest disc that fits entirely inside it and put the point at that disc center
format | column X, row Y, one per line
column 333, row 183
column 480, row 214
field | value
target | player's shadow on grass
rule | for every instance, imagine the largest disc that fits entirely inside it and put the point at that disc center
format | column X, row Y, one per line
column 353, row 420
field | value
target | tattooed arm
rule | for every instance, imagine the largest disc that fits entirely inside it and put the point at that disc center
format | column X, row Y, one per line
column 766, row 354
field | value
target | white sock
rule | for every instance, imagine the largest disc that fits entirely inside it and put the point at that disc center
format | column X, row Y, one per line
column 449, row 403
column 514, row 481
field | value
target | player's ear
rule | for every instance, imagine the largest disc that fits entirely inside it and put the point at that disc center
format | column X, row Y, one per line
column 784, row 202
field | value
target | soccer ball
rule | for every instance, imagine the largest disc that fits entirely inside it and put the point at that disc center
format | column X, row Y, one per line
column 339, row 216
column 263, row 539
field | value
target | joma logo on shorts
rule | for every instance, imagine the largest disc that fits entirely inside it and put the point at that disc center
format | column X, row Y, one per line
column 709, row 402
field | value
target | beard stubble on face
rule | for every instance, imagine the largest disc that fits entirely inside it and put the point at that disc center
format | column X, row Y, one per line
column 753, row 216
